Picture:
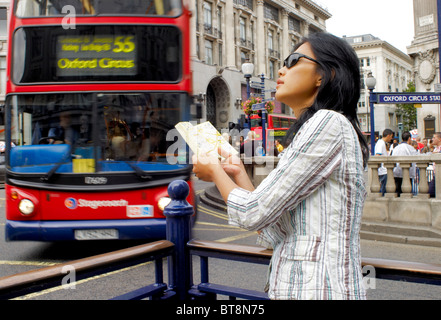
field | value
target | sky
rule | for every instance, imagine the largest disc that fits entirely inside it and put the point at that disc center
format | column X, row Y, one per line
column 389, row 20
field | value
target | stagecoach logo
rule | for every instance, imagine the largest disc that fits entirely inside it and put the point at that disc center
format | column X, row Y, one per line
column 72, row 203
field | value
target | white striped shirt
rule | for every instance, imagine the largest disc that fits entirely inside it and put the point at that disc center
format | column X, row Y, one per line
column 309, row 209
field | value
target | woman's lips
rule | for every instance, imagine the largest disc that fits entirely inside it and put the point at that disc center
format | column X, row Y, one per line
column 279, row 83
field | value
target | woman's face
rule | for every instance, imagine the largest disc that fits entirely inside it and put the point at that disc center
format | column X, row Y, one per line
column 297, row 87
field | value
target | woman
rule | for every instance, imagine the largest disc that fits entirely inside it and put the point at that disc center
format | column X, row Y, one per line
column 309, row 207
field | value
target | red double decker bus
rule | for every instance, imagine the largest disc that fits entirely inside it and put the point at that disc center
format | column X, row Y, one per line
column 276, row 128
column 94, row 89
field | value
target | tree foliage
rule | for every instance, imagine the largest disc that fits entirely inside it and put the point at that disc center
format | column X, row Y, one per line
column 408, row 111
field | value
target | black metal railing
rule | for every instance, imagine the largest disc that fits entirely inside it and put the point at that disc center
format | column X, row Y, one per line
column 179, row 250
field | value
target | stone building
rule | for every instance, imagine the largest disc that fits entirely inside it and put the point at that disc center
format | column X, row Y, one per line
column 391, row 68
column 424, row 51
column 4, row 7
column 228, row 32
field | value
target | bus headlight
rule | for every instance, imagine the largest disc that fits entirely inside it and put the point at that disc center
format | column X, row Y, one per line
column 163, row 202
column 26, row 207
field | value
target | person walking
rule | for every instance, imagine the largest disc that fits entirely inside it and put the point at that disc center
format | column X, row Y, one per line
column 436, row 144
column 309, row 208
column 381, row 150
column 406, row 148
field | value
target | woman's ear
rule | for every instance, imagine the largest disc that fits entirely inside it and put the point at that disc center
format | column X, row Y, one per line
column 318, row 82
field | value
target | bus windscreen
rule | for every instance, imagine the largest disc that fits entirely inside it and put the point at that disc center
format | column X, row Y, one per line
column 91, row 132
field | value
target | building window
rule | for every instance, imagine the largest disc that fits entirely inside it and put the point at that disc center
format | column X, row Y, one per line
column 3, row 21
column 220, row 54
column 242, row 29
column 207, row 14
column 271, row 12
column 270, row 40
column 252, row 31
column 293, row 24
column 271, row 69
column 245, row 3
column 293, row 45
column 243, row 57
column 208, row 52
column 219, row 20
column 197, row 48
column 391, row 119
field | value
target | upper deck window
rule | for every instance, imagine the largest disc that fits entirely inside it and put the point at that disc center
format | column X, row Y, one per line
column 34, row 8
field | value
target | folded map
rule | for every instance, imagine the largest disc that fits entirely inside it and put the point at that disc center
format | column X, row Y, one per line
column 203, row 138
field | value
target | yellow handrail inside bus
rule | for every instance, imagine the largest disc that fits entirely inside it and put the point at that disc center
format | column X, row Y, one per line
column 159, row 5
column 88, row 6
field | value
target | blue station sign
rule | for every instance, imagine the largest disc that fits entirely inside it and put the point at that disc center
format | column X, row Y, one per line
column 258, row 106
column 408, row 98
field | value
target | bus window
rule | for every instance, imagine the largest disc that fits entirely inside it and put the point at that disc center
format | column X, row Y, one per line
column 33, row 8
column 98, row 132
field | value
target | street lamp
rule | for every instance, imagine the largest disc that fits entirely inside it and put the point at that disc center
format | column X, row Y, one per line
column 370, row 83
column 247, row 70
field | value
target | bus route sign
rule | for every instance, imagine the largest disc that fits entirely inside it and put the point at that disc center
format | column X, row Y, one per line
column 113, row 54
column 408, row 98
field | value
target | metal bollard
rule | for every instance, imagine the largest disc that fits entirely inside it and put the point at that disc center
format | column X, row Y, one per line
column 178, row 213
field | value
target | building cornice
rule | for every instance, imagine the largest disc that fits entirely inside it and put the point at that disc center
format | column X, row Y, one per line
column 315, row 7
column 382, row 44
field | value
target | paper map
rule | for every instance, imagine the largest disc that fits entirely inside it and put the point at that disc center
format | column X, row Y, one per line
column 203, row 138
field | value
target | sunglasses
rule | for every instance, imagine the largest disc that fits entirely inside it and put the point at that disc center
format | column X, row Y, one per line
column 293, row 58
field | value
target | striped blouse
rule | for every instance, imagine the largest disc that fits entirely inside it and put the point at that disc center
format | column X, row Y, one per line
column 309, row 209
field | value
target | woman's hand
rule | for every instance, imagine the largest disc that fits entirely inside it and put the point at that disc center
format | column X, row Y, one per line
column 227, row 176
column 231, row 164
column 234, row 167
column 206, row 165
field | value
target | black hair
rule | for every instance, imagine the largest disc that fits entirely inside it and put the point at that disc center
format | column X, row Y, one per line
column 387, row 132
column 406, row 136
column 340, row 87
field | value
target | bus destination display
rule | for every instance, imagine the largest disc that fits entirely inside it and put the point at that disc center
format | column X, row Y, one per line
column 103, row 55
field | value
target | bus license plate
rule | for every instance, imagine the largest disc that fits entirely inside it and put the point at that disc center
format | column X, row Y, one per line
column 94, row 234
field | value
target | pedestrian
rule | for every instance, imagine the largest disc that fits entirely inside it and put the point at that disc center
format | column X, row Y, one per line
column 309, row 208
column 381, row 150
column 248, row 146
column 279, row 146
column 436, row 144
column 425, row 149
column 393, row 145
column 415, row 145
column 420, row 144
column 406, row 148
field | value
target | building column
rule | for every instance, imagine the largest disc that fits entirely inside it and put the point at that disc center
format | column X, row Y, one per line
column 193, row 37
column 230, row 43
column 286, row 43
column 201, row 53
column 260, row 39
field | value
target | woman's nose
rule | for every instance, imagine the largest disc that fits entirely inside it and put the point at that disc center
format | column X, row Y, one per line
column 282, row 71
